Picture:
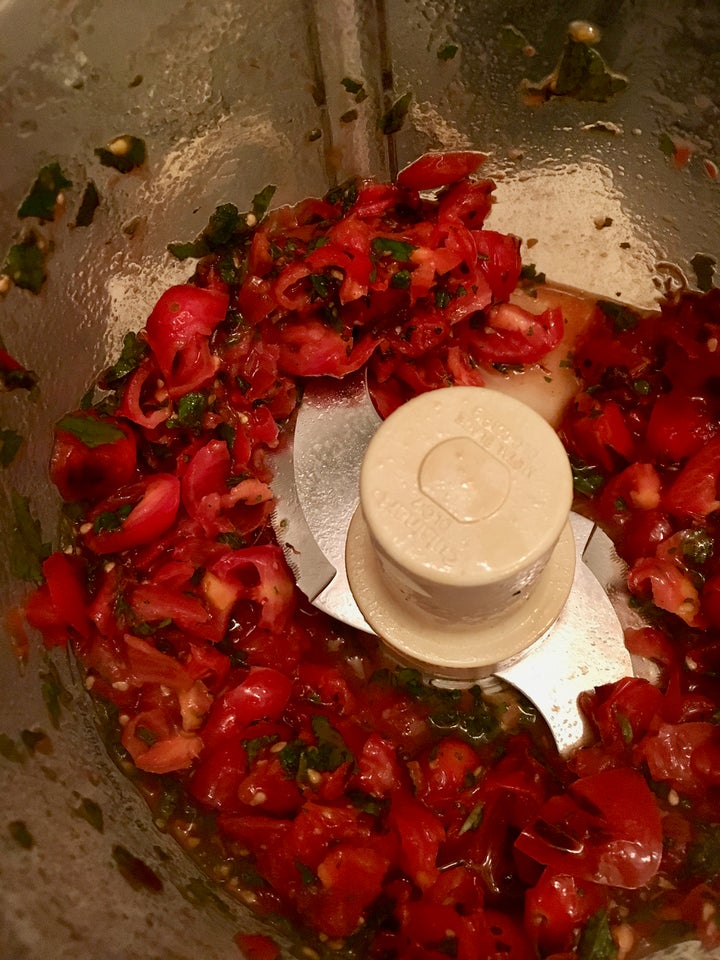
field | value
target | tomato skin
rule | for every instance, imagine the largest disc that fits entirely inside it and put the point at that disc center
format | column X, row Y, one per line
column 151, row 516
column 178, row 332
column 674, row 755
column 679, row 426
column 694, row 494
column 434, row 170
column 557, row 908
column 256, row 946
column 605, row 829
column 81, row 472
column 262, row 695
column 420, row 833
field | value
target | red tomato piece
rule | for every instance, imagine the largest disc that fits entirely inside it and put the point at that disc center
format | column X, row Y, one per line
column 256, row 946
column 694, row 495
column 420, row 833
column 178, row 332
column 434, row 170
column 605, row 829
column 671, row 587
column 557, row 908
column 261, row 696
column 82, row 471
column 155, row 505
column 679, row 426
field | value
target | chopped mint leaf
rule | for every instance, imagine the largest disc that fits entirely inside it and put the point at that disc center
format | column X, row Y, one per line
column 25, row 263
column 352, row 86
column 623, row 318
column 133, row 351
column 10, row 443
column 397, row 249
column 42, row 200
column 447, row 51
column 88, row 205
column 28, row 549
column 261, row 201
column 596, row 942
column 93, row 433
column 393, row 119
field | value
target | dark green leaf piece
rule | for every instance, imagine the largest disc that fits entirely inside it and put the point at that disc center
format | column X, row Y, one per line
column 25, row 264
column 10, row 443
column 41, row 202
column 583, row 74
column 587, row 479
column 704, row 266
column 397, row 249
column 596, row 942
column 133, row 351
column 124, row 153
column 20, row 834
column 93, row 433
column 447, row 52
column 88, row 205
column 623, row 318
column 394, row 119
column 28, row 550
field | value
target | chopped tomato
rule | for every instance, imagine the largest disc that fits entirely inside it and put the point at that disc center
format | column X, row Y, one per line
column 94, row 467
column 605, row 829
column 434, row 170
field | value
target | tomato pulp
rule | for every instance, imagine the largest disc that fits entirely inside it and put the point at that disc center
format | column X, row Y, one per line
column 383, row 816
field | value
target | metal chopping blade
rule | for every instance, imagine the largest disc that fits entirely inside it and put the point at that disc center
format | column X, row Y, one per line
column 316, row 485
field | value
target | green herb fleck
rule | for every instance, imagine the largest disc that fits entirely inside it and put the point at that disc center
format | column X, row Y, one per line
column 583, row 74
column 91, row 812
column 314, row 134
column 306, row 874
column 587, row 480
column 447, row 51
column 623, row 318
column 626, row 729
column 703, row 856
column 642, row 387
column 110, row 520
column 255, row 746
column 135, row 871
column 20, row 834
column 90, row 431
column 41, row 202
column 232, row 540
column 189, row 411
column 345, row 193
column 394, row 119
column 349, row 116
column 123, row 153
column 511, row 39
column 401, row 280
column 320, row 285
column 352, row 86
column 10, row 443
column 397, row 249
column 10, row 750
column 132, row 353
column 596, row 942
column 88, row 205
column 54, row 693
column 666, row 144
column 261, row 201
column 25, row 263
column 28, row 549
column 529, row 271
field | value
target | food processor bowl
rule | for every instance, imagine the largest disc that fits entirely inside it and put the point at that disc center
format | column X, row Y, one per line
column 617, row 196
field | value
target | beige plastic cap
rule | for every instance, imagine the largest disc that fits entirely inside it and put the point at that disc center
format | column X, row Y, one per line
column 460, row 554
